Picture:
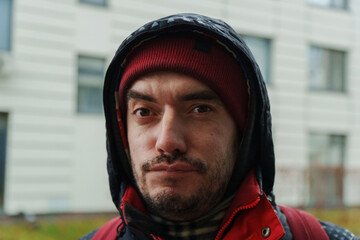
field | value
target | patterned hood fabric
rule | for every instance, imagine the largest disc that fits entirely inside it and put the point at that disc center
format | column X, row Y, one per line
column 256, row 149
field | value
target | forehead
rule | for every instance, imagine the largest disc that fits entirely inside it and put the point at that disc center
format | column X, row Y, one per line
column 161, row 83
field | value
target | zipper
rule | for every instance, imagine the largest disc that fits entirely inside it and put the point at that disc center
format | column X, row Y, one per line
column 122, row 207
column 222, row 229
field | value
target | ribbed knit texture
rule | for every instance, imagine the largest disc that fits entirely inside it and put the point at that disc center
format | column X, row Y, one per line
column 202, row 59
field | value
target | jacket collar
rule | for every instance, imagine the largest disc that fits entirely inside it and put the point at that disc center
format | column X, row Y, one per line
column 251, row 215
column 250, row 210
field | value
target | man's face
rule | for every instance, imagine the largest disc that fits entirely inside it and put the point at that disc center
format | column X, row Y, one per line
column 182, row 144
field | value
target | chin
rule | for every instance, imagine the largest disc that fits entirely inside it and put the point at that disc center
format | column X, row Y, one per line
column 170, row 203
column 168, row 191
column 157, row 184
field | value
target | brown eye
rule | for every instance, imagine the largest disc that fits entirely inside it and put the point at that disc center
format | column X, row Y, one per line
column 202, row 109
column 142, row 112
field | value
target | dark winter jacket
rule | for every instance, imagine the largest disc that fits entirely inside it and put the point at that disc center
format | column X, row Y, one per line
column 254, row 170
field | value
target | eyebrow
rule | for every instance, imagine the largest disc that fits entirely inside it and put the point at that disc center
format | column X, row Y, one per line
column 199, row 95
column 137, row 95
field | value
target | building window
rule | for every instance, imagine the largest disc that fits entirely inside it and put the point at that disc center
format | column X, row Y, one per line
column 3, row 131
column 326, row 69
column 340, row 4
column 260, row 47
column 5, row 24
column 95, row 2
column 90, row 82
column 326, row 169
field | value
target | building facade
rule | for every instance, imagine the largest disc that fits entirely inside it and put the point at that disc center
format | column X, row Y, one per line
column 53, row 55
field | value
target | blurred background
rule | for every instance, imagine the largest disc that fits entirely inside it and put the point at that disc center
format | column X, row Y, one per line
column 53, row 57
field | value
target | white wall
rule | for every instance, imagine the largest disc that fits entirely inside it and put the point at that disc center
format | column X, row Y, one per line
column 56, row 157
column 39, row 96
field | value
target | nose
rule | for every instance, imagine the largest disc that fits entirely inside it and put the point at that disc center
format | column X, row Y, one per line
column 171, row 137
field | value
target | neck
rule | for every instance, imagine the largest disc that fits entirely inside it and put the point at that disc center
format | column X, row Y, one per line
column 205, row 227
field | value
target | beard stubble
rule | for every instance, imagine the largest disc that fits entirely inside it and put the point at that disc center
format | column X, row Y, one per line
column 183, row 207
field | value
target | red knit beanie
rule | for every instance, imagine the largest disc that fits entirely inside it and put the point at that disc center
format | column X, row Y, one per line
column 203, row 59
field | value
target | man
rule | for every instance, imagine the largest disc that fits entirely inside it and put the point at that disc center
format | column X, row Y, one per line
column 190, row 151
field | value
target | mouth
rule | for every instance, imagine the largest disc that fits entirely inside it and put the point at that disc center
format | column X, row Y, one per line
column 173, row 168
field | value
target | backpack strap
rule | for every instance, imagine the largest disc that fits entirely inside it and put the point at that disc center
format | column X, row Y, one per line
column 109, row 230
column 303, row 225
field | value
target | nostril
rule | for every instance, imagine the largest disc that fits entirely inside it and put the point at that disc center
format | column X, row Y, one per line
column 175, row 155
column 176, row 152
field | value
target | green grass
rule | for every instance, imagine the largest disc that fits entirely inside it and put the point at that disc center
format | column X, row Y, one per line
column 51, row 228
column 75, row 226
column 347, row 217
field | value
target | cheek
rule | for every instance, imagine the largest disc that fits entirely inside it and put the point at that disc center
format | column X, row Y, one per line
column 219, row 144
column 140, row 146
column 209, row 145
column 135, row 147
column 139, row 139
column 216, row 136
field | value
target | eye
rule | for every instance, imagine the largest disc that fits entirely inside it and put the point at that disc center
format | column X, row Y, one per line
column 202, row 109
column 142, row 112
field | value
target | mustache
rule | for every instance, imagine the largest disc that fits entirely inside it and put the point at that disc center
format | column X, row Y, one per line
column 196, row 163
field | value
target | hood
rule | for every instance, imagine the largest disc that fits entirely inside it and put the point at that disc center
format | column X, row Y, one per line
column 256, row 150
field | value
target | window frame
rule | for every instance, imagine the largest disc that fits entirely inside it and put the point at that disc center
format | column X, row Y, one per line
column 329, row 138
column 104, row 3
column 81, row 83
column 331, row 4
column 326, row 169
column 266, row 73
column 329, row 85
column 3, row 158
column 9, row 35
